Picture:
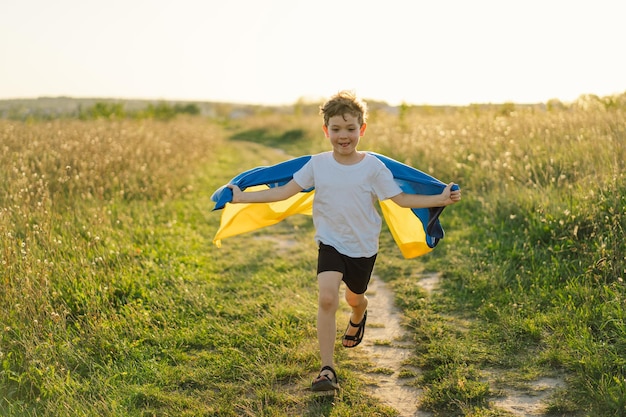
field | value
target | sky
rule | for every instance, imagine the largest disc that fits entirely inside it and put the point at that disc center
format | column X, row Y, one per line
column 274, row 52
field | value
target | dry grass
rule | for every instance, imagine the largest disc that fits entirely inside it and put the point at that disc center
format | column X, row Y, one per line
column 112, row 300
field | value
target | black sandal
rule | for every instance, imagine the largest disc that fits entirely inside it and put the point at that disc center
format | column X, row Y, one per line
column 358, row 337
column 324, row 382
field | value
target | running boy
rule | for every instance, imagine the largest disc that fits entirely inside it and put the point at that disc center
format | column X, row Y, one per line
column 347, row 224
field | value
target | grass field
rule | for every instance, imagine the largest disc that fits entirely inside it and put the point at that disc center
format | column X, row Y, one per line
column 116, row 303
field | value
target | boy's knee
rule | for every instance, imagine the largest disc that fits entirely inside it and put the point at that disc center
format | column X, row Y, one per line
column 355, row 300
column 328, row 301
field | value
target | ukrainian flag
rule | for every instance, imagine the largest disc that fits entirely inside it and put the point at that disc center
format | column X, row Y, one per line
column 415, row 231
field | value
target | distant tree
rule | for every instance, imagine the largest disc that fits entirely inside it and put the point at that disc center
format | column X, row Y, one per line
column 506, row 108
column 102, row 110
column 190, row 108
column 555, row 104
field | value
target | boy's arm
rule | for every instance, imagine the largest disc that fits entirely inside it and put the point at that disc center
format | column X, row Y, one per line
column 446, row 198
column 265, row 196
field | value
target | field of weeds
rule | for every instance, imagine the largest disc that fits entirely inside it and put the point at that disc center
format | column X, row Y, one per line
column 536, row 256
column 114, row 302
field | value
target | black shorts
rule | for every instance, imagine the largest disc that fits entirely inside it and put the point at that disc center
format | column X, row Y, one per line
column 356, row 271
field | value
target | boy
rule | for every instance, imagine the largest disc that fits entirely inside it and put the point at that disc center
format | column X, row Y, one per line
column 347, row 224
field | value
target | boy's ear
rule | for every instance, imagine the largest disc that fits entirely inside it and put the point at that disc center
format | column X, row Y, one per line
column 325, row 129
column 362, row 131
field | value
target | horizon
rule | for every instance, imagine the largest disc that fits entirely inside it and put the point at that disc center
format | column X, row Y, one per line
column 302, row 100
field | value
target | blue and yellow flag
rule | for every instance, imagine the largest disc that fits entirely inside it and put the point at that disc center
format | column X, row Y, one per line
column 415, row 231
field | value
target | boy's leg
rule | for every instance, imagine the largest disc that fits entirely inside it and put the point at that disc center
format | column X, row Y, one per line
column 328, row 302
column 358, row 302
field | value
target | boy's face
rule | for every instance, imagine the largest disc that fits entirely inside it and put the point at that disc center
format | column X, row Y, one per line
column 344, row 133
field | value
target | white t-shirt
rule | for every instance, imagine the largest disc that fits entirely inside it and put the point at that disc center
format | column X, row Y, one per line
column 344, row 211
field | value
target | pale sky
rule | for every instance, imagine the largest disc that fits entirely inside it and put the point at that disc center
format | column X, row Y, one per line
column 277, row 51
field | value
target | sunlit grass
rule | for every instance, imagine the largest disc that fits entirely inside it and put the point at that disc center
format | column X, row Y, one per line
column 115, row 302
column 536, row 251
column 75, row 232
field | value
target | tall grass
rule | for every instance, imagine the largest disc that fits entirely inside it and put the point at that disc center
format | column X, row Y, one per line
column 73, row 210
column 113, row 301
column 537, row 251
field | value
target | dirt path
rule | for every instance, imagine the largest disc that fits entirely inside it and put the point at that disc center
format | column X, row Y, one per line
column 386, row 347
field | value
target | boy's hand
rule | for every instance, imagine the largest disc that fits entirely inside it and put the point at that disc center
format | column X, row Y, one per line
column 236, row 193
column 449, row 196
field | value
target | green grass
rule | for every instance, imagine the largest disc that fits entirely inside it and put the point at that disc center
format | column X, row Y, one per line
column 115, row 302
column 539, row 269
column 124, row 307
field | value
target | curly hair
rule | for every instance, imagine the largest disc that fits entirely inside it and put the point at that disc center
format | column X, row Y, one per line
column 344, row 102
